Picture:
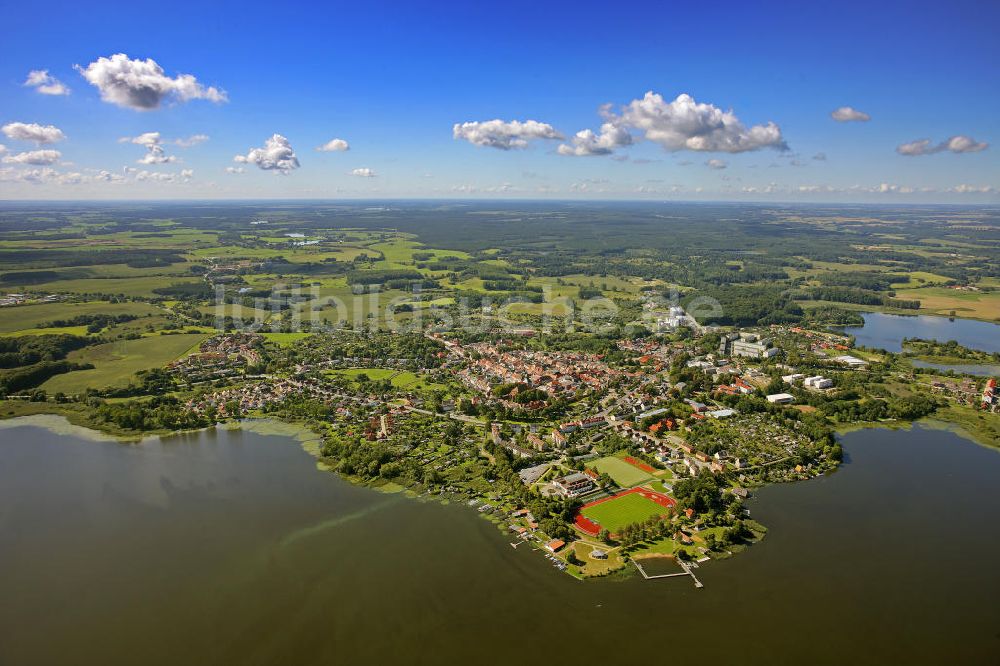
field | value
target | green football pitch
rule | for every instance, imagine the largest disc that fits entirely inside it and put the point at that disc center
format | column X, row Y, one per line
column 615, row 514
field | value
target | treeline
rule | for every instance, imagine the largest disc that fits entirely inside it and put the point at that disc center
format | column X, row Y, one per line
column 382, row 276
column 146, row 258
column 93, row 322
column 859, row 297
column 186, row 290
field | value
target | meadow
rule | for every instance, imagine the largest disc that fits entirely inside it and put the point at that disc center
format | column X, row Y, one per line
column 115, row 363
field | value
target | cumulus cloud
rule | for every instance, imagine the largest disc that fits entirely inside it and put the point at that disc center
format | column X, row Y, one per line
column 155, row 153
column 716, row 164
column 848, row 114
column 142, row 84
column 685, row 124
column 33, row 132
column 363, row 172
column 955, row 144
column 3, row 149
column 191, row 141
column 45, row 83
column 36, row 157
column 587, row 142
column 502, row 134
column 820, row 157
column 276, row 155
column 334, row 146
column 235, row 170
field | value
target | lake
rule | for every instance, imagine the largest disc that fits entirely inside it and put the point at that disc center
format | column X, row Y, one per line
column 230, row 547
column 969, row 369
column 885, row 331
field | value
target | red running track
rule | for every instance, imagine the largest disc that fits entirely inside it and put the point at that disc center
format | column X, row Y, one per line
column 589, row 527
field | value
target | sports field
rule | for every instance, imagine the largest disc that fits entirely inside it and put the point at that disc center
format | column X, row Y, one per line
column 625, row 475
column 630, row 507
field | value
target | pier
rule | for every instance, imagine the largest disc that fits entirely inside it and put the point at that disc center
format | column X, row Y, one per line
column 684, row 565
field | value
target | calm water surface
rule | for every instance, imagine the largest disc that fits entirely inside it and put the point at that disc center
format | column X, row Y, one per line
column 885, row 331
column 231, row 548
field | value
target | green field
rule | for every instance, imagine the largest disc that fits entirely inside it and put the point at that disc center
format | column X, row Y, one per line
column 624, row 474
column 285, row 339
column 615, row 514
column 21, row 317
column 400, row 379
column 117, row 362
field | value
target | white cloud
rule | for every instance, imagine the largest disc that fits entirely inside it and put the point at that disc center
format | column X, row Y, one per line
column 235, row 170
column 144, row 139
column 847, row 114
column 955, row 144
column 45, row 83
column 41, row 176
column 363, row 172
column 187, row 174
column 155, row 153
column 142, row 85
column 33, row 132
column 3, row 149
column 37, row 157
column 587, row 142
column 276, row 155
column 684, row 124
column 504, row 135
column 334, row 146
column 973, row 189
column 716, row 164
column 192, row 141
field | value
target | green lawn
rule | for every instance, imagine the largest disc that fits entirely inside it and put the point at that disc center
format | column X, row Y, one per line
column 624, row 474
column 615, row 514
column 117, row 362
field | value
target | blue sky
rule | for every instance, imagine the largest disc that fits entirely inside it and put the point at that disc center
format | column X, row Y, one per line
column 392, row 81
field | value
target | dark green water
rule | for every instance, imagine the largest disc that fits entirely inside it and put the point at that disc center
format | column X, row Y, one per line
column 231, row 548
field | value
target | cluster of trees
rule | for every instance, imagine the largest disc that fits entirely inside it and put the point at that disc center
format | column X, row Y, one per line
column 158, row 413
column 906, row 408
column 29, row 349
column 654, row 527
column 703, row 493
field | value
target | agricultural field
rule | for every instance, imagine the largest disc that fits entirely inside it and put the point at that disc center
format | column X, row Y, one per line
column 942, row 301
